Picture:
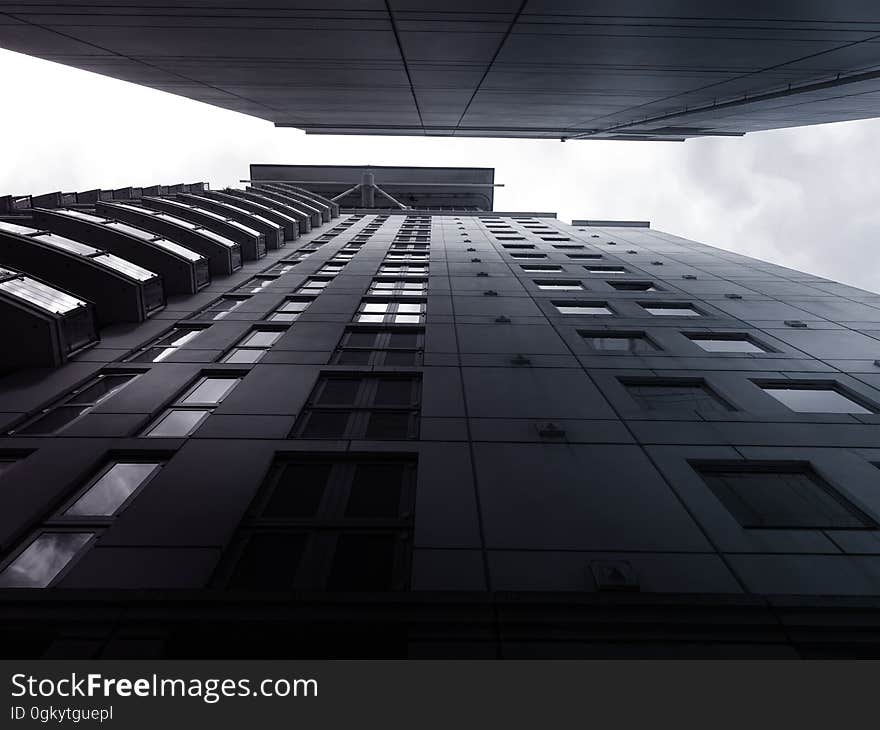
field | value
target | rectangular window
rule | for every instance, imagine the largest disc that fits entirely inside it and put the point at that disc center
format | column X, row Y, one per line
column 593, row 269
column 392, row 287
column 559, row 284
column 662, row 309
column 814, row 398
column 619, row 342
column 406, row 256
column 221, row 307
column 257, row 283
column 51, row 550
column 331, row 268
column 584, row 256
column 193, row 407
column 167, row 344
column 290, row 310
column 76, row 404
column 314, row 285
column 634, row 285
column 362, row 407
column 253, row 346
column 390, row 312
column 781, row 496
column 282, row 268
column 726, row 342
column 329, row 523
column 403, row 270
column 526, row 256
column 674, row 396
column 538, row 268
column 516, row 246
column 382, row 347
column 585, row 308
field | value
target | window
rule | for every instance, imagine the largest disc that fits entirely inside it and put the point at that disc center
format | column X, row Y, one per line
column 589, row 308
column 525, row 256
column 220, row 308
column 605, row 269
column 334, row 523
column 584, row 256
column 282, row 268
column 634, row 285
column 619, row 342
column 661, row 309
column 725, row 342
column 48, row 553
column 166, row 345
column 538, row 268
column 76, row 404
column 390, row 312
column 383, row 347
column 409, row 287
column 403, row 270
column 414, row 256
column 674, row 396
column 517, row 246
column 562, row 246
column 362, row 407
column 196, row 404
column 290, row 310
column 501, row 237
column 558, row 284
column 257, row 284
column 814, row 398
column 781, row 496
column 331, row 268
column 313, row 285
column 253, row 346
column 44, row 558
column 396, row 246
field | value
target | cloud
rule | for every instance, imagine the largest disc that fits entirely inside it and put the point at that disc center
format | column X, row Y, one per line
column 804, row 198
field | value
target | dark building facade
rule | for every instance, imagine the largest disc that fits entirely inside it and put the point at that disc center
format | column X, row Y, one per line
column 629, row 69
column 434, row 431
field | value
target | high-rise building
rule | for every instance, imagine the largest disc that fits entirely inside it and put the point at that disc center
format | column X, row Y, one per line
column 355, row 412
column 628, row 69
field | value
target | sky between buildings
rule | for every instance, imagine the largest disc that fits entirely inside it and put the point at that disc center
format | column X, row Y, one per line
column 805, row 198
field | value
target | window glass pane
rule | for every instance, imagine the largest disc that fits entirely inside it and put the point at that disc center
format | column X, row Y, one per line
column 211, row 390
column 103, row 388
column 400, row 358
column 326, row 424
column 684, row 398
column 782, row 499
column 354, row 357
column 376, row 491
column 54, row 420
column 298, row 490
column 404, row 339
column 376, row 307
column 116, row 485
column 407, row 318
column 339, row 391
column 384, row 425
column 583, row 309
column 43, row 559
column 727, row 344
column 268, row 562
column 178, row 423
column 394, row 392
column 407, row 308
column 361, row 339
column 362, row 563
column 372, row 318
column 244, row 357
column 294, row 306
column 619, row 343
column 671, row 311
column 815, row 400
column 284, row 317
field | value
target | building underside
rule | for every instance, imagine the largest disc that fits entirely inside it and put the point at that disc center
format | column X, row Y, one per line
column 550, row 69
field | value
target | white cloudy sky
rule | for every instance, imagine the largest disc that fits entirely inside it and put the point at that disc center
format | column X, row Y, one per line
column 806, row 198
